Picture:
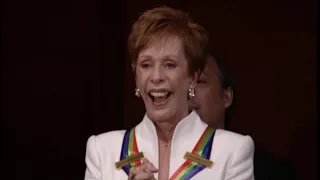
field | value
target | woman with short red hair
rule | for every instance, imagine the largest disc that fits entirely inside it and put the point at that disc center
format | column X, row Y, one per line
column 167, row 52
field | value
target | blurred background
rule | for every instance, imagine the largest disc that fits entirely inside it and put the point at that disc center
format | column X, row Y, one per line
column 65, row 76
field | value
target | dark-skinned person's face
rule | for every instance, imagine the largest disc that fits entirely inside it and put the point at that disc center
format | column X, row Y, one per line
column 211, row 100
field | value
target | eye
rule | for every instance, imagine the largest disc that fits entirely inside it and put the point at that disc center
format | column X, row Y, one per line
column 170, row 65
column 145, row 65
column 201, row 81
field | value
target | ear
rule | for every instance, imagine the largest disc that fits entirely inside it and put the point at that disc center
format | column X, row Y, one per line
column 194, row 80
column 228, row 97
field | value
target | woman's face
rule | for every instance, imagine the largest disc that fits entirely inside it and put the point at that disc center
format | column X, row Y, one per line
column 163, row 79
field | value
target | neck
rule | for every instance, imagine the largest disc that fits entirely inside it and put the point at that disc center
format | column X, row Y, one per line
column 165, row 128
column 222, row 122
column 219, row 124
column 165, row 131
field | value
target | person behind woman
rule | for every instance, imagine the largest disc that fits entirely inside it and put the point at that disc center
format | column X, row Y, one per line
column 167, row 52
column 213, row 102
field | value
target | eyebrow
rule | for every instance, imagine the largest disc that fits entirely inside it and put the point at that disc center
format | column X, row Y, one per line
column 144, row 55
column 210, row 74
column 174, row 57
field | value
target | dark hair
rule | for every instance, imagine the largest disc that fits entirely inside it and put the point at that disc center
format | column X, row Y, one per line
column 226, row 82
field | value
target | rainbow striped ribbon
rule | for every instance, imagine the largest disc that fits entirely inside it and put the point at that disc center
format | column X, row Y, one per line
column 202, row 148
column 129, row 148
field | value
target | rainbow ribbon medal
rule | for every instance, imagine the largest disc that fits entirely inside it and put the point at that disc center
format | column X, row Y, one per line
column 200, row 153
column 130, row 156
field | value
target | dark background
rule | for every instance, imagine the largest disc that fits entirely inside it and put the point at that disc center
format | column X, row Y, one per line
column 65, row 76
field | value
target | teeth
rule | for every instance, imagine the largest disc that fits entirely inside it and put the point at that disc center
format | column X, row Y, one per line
column 159, row 94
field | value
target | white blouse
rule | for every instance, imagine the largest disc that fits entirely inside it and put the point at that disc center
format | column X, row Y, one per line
column 231, row 153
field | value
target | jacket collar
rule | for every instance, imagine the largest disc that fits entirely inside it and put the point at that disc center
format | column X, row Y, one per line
column 186, row 134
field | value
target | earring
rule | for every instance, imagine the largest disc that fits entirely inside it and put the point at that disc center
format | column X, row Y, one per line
column 191, row 93
column 137, row 92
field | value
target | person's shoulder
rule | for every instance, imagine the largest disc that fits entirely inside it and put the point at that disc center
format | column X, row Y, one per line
column 101, row 151
column 225, row 134
column 233, row 140
column 111, row 135
column 237, row 149
column 107, row 140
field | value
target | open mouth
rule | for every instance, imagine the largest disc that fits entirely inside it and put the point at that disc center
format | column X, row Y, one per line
column 159, row 97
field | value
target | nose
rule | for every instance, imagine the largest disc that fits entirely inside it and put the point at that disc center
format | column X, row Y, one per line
column 157, row 75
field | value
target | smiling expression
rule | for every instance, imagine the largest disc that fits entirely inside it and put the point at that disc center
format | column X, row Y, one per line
column 163, row 79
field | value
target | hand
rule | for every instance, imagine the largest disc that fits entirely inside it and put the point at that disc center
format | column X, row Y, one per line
column 143, row 172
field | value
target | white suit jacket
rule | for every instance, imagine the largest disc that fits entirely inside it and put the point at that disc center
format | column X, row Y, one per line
column 231, row 153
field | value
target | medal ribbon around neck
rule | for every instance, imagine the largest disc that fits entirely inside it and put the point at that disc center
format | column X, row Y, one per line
column 129, row 148
column 203, row 149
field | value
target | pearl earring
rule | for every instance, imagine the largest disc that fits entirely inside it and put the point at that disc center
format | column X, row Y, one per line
column 191, row 93
column 137, row 92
